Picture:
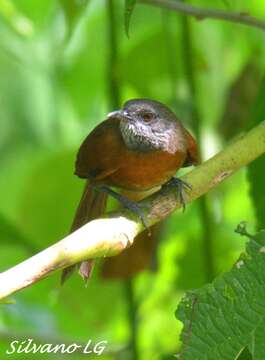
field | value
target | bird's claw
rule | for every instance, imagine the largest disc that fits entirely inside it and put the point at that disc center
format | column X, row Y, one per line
column 137, row 209
column 182, row 187
column 127, row 203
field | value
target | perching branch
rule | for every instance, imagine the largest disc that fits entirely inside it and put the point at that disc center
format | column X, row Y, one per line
column 204, row 13
column 109, row 236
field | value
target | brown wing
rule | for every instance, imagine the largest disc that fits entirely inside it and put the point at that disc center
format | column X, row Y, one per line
column 192, row 151
column 98, row 155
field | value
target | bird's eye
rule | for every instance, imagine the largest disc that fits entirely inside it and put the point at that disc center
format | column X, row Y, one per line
column 147, row 116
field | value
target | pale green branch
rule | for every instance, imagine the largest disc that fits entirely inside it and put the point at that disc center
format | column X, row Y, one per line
column 111, row 235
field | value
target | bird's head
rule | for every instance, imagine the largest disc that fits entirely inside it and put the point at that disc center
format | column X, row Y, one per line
column 146, row 125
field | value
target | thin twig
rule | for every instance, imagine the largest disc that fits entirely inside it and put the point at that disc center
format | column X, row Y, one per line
column 204, row 13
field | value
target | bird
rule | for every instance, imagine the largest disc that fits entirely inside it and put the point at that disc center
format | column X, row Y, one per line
column 135, row 151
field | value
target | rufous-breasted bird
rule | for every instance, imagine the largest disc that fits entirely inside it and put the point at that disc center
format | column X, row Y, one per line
column 135, row 150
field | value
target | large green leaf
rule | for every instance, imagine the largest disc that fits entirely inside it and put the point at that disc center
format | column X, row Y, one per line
column 224, row 317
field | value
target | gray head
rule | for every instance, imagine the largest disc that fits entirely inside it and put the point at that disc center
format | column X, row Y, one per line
column 148, row 125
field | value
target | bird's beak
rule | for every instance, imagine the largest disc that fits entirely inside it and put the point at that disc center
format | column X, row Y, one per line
column 119, row 114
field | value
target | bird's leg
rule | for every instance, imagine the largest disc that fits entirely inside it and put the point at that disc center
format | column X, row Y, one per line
column 182, row 187
column 127, row 203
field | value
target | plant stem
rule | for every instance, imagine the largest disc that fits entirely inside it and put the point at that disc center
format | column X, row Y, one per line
column 204, row 210
column 170, row 50
column 115, row 103
column 201, row 13
column 132, row 316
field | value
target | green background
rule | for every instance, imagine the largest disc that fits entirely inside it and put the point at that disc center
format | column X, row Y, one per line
column 63, row 66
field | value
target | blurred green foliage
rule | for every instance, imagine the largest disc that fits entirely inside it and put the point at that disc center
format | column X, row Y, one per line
column 256, row 171
column 56, row 65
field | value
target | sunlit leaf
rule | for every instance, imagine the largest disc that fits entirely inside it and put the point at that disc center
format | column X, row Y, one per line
column 20, row 23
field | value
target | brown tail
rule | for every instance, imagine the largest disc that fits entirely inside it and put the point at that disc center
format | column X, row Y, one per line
column 141, row 255
column 91, row 206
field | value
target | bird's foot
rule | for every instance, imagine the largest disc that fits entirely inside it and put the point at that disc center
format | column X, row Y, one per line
column 182, row 188
column 135, row 208
column 127, row 203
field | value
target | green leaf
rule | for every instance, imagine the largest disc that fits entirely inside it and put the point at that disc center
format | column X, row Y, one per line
column 245, row 355
column 256, row 173
column 224, row 317
column 15, row 19
column 129, row 7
